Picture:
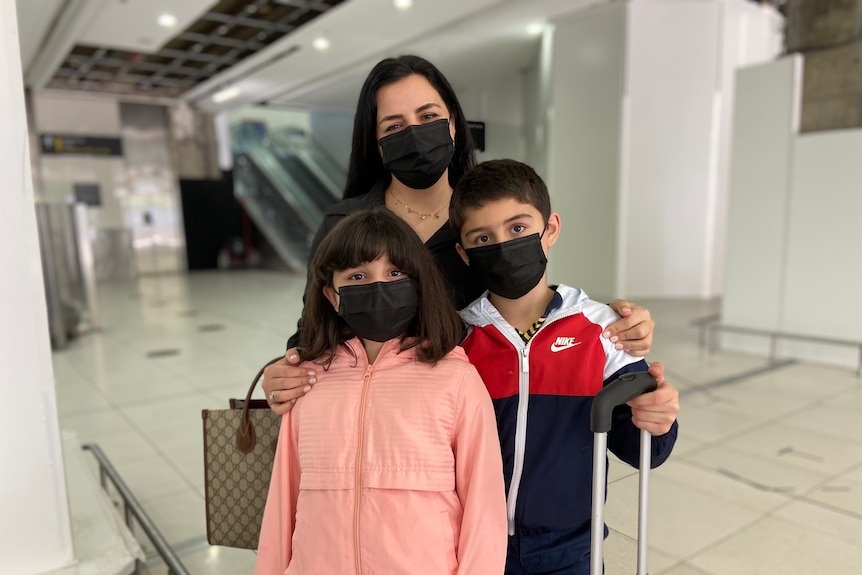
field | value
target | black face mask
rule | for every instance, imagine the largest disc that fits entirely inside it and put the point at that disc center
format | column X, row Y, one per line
column 510, row 269
column 418, row 155
column 379, row 311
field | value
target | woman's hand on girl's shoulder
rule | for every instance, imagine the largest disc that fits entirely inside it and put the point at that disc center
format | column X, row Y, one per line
column 284, row 382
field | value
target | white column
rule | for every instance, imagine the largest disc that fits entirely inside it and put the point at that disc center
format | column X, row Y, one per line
column 639, row 114
column 584, row 132
column 35, row 534
column 766, row 122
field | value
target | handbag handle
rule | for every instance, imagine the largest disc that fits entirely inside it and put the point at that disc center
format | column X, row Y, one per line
column 245, row 437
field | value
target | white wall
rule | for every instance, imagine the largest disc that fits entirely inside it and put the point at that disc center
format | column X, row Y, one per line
column 91, row 117
column 83, row 115
column 583, row 134
column 34, row 522
column 766, row 121
column 636, row 122
column 793, row 234
column 535, row 95
column 681, row 61
column 823, row 277
column 671, row 83
column 498, row 103
column 753, row 34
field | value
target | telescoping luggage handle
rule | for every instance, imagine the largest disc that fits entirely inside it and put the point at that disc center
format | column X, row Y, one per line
column 623, row 389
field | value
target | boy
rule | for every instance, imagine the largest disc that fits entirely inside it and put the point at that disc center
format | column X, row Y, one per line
column 539, row 351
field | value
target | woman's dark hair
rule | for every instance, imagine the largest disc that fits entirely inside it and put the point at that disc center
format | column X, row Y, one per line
column 366, row 165
column 363, row 237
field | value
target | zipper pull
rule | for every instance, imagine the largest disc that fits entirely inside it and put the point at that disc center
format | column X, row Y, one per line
column 525, row 361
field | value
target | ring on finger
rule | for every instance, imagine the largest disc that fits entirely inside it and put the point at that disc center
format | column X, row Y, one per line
column 272, row 396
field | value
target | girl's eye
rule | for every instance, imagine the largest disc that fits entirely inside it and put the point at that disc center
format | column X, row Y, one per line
column 518, row 228
column 356, row 277
column 397, row 273
column 429, row 116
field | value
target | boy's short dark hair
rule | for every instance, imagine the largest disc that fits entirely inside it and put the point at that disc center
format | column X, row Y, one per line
column 496, row 180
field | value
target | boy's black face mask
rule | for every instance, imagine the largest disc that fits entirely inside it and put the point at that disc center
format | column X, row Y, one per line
column 418, row 155
column 379, row 311
column 510, row 269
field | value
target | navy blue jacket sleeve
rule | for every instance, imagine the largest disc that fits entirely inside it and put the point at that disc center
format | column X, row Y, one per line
column 624, row 437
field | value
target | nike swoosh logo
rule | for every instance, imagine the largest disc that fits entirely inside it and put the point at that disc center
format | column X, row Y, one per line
column 555, row 347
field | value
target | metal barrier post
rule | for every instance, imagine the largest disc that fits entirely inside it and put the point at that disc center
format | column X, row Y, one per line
column 133, row 508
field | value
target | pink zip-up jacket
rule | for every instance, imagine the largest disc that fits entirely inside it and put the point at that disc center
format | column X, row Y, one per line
column 387, row 468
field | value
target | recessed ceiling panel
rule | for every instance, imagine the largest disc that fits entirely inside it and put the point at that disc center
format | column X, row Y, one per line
column 195, row 50
column 133, row 25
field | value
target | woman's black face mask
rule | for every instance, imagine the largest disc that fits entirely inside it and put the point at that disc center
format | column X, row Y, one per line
column 510, row 269
column 379, row 311
column 418, row 155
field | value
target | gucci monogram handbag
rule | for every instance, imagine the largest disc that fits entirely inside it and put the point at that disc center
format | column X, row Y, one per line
column 239, row 448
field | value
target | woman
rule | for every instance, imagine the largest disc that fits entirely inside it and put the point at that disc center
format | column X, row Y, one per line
column 393, row 464
column 411, row 144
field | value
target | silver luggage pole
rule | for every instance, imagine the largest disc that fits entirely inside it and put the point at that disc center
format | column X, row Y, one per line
column 618, row 392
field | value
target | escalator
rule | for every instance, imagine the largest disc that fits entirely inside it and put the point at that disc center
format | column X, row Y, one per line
column 296, row 148
column 286, row 183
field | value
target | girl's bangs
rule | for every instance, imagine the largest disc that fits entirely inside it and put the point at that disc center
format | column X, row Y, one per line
column 367, row 242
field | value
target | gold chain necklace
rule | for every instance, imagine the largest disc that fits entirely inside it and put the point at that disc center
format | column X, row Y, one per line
column 412, row 211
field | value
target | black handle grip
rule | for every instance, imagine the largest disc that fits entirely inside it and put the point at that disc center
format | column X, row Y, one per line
column 623, row 389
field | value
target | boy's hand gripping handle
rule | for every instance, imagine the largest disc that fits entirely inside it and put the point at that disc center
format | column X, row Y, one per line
column 618, row 392
column 623, row 389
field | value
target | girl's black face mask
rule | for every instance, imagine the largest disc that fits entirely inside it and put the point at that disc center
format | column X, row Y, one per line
column 510, row 269
column 379, row 311
column 418, row 155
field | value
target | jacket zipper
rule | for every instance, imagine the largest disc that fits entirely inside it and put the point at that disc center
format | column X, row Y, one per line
column 523, row 405
column 520, row 436
column 366, row 379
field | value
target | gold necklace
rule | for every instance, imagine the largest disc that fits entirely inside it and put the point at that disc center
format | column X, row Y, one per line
column 412, row 211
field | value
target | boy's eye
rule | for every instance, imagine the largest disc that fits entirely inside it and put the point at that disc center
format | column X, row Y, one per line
column 483, row 239
column 518, row 228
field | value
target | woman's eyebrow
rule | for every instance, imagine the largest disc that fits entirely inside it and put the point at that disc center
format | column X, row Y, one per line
column 421, row 108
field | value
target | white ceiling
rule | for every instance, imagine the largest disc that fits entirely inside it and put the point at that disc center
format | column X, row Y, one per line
column 469, row 40
column 133, row 24
column 34, row 17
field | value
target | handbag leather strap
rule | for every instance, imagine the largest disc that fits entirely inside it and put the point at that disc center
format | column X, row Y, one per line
column 245, row 437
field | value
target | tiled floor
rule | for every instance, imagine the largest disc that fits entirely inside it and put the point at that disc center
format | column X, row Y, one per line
column 766, row 477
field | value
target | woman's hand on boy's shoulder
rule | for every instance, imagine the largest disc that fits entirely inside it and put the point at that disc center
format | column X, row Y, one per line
column 633, row 332
column 284, row 382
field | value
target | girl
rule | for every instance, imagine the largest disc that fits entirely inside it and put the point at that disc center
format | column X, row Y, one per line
column 393, row 464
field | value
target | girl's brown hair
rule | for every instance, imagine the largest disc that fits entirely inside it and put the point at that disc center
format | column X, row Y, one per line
column 363, row 237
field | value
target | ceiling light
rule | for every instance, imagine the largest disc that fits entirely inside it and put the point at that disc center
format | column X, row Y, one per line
column 320, row 43
column 535, row 28
column 225, row 95
column 167, row 20
column 403, row 4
